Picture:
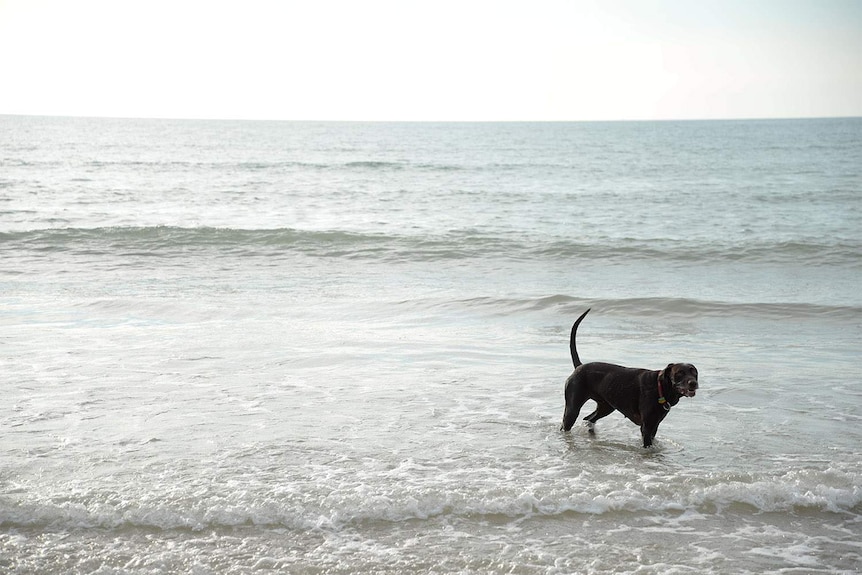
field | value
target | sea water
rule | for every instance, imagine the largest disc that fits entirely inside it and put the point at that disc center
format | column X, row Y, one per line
column 260, row 347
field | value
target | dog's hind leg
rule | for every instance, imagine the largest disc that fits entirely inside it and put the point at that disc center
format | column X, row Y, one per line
column 603, row 409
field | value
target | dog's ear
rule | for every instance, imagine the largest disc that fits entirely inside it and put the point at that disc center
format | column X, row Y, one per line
column 668, row 372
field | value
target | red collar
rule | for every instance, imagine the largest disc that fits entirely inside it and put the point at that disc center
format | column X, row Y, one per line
column 661, row 400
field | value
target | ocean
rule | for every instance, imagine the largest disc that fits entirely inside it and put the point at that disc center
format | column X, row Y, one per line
column 336, row 348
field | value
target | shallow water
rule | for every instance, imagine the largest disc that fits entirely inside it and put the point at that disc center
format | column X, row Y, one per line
column 335, row 348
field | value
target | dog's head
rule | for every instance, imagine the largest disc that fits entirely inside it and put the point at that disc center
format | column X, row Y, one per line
column 683, row 378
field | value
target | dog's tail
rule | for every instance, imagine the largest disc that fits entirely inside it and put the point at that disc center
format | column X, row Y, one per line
column 572, row 347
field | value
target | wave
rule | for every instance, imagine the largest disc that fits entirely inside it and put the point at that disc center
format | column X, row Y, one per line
column 352, row 503
column 454, row 245
column 816, row 252
column 257, row 166
column 278, row 165
column 662, row 307
column 163, row 240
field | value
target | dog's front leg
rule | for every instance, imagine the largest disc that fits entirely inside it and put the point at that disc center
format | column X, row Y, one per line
column 647, row 435
column 649, row 427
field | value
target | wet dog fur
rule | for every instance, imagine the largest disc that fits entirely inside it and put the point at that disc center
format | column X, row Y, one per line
column 643, row 396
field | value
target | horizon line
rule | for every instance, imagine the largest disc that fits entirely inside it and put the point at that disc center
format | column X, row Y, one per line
column 404, row 121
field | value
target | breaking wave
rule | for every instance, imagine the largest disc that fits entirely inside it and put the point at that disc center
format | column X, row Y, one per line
column 351, row 500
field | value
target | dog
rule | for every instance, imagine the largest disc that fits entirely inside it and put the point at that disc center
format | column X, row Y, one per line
column 644, row 396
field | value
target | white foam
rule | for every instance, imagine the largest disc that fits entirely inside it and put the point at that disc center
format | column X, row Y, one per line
column 336, row 499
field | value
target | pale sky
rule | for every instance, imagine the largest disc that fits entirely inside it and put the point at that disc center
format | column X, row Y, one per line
column 432, row 60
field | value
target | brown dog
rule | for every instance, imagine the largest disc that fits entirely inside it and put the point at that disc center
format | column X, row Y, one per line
column 644, row 396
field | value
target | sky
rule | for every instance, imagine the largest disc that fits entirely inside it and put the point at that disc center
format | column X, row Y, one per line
column 438, row 60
